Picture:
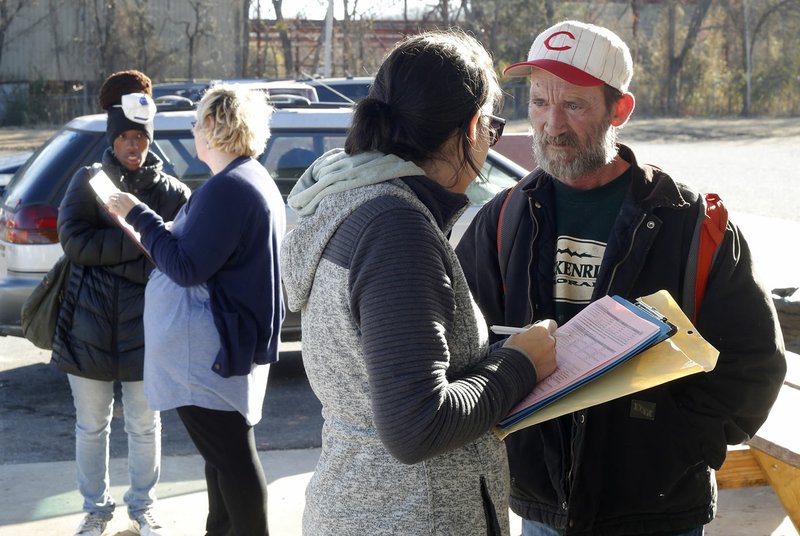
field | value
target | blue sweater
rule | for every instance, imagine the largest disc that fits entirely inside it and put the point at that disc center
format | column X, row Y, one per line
column 230, row 241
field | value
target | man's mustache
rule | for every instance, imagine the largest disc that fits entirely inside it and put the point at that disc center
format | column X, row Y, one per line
column 564, row 140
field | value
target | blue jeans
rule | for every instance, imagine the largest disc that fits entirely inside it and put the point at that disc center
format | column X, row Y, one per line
column 94, row 405
column 533, row 528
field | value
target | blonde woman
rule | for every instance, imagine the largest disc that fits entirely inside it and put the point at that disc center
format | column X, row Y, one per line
column 214, row 308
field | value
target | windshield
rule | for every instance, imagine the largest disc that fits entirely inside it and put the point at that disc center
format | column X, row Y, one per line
column 177, row 151
column 42, row 178
column 287, row 155
column 494, row 180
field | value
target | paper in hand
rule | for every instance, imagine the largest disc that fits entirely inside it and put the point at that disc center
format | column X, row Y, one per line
column 104, row 188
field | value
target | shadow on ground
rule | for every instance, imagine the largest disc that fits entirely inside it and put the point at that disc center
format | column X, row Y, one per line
column 39, row 419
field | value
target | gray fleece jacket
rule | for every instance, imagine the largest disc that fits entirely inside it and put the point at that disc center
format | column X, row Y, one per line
column 394, row 349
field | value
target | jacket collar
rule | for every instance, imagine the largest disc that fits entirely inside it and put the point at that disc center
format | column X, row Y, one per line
column 445, row 206
column 139, row 179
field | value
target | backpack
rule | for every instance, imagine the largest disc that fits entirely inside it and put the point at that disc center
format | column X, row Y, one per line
column 708, row 234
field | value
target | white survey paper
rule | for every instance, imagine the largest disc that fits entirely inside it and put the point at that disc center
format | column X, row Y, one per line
column 103, row 186
column 595, row 339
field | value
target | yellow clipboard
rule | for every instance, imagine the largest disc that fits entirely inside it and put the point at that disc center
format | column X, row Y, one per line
column 685, row 353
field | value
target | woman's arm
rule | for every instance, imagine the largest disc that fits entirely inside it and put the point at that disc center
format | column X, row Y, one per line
column 210, row 232
column 404, row 303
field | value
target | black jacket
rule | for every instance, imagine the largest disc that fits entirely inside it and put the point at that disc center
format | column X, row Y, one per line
column 99, row 333
column 612, row 469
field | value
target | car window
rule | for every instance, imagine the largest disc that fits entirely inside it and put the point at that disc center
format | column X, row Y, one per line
column 288, row 155
column 334, row 92
column 495, row 179
column 191, row 91
column 177, row 151
column 46, row 175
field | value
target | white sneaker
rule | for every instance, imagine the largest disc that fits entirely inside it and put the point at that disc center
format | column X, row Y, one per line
column 146, row 525
column 93, row 525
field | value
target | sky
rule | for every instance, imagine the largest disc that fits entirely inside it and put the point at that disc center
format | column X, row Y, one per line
column 316, row 9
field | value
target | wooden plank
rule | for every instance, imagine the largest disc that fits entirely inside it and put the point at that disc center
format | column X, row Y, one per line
column 785, row 480
column 740, row 470
column 780, row 435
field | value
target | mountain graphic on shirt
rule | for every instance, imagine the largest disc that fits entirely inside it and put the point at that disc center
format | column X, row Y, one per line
column 573, row 253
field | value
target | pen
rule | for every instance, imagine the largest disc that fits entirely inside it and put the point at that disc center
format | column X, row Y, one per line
column 506, row 330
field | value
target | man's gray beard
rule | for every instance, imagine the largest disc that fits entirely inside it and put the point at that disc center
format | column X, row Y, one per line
column 599, row 150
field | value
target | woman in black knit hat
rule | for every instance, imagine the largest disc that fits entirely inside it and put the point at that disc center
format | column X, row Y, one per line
column 99, row 338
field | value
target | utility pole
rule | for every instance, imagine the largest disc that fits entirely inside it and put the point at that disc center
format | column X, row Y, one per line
column 326, row 70
column 747, row 57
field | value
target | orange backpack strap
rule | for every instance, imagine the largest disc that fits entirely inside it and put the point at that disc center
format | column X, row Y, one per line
column 709, row 233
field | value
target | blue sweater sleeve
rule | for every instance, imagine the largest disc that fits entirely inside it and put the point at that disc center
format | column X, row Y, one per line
column 209, row 234
column 403, row 300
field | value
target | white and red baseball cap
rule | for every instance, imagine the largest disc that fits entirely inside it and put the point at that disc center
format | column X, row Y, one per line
column 582, row 54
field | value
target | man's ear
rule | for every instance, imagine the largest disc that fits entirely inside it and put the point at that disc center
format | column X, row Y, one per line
column 622, row 110
column 472, row 128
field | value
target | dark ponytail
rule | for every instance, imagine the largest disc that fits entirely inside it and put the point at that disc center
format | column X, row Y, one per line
column 374, row 118
column 428, row 87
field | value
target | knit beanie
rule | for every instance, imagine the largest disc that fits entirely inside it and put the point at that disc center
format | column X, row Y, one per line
column 126, row 96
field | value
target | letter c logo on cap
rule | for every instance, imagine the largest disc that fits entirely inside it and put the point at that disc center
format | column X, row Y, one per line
column 565, row 47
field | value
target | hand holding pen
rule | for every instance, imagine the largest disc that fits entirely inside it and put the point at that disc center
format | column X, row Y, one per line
column 537, row 341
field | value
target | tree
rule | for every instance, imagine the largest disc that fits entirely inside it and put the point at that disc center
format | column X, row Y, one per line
column 348, row 58
column 750, row 20
column 243, row 39
column 675, row 58
column 101, row 40
column 195, row 30
column 8, row 12
column 286, row 43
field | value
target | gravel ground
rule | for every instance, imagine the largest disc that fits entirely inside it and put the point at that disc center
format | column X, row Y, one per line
column 14, row 139
column 638, row 129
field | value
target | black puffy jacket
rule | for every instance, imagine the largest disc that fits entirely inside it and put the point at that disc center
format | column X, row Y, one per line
column 99, row 334
column 613, row 469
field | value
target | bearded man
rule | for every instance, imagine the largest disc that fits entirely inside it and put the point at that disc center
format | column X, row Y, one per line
column 595, row 222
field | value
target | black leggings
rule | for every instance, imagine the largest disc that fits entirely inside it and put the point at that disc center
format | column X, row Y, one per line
column 237, row 488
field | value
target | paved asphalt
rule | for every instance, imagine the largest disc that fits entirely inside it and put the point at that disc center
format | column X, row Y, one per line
column 38, row 417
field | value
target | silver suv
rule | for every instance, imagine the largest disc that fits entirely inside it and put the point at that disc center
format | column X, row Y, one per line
column 29, row 243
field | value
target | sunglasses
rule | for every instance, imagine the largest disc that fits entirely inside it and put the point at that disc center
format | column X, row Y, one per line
column 496, row 126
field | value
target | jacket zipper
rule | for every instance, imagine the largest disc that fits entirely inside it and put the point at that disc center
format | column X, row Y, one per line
column 531, row 261
column 536, row 227
column 573, row 441
column 627, row 253
column 115, row 328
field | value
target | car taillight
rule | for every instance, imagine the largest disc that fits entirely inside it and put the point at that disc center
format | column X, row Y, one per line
column 33, row 224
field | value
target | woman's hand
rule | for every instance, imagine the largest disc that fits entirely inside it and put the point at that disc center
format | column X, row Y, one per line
column 121, row 203
column 539, row 343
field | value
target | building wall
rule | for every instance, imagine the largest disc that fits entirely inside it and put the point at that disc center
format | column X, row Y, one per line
column 58, row 40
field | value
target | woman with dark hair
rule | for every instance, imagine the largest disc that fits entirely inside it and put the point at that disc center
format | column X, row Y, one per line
column 99, row 338
column 393, row 343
